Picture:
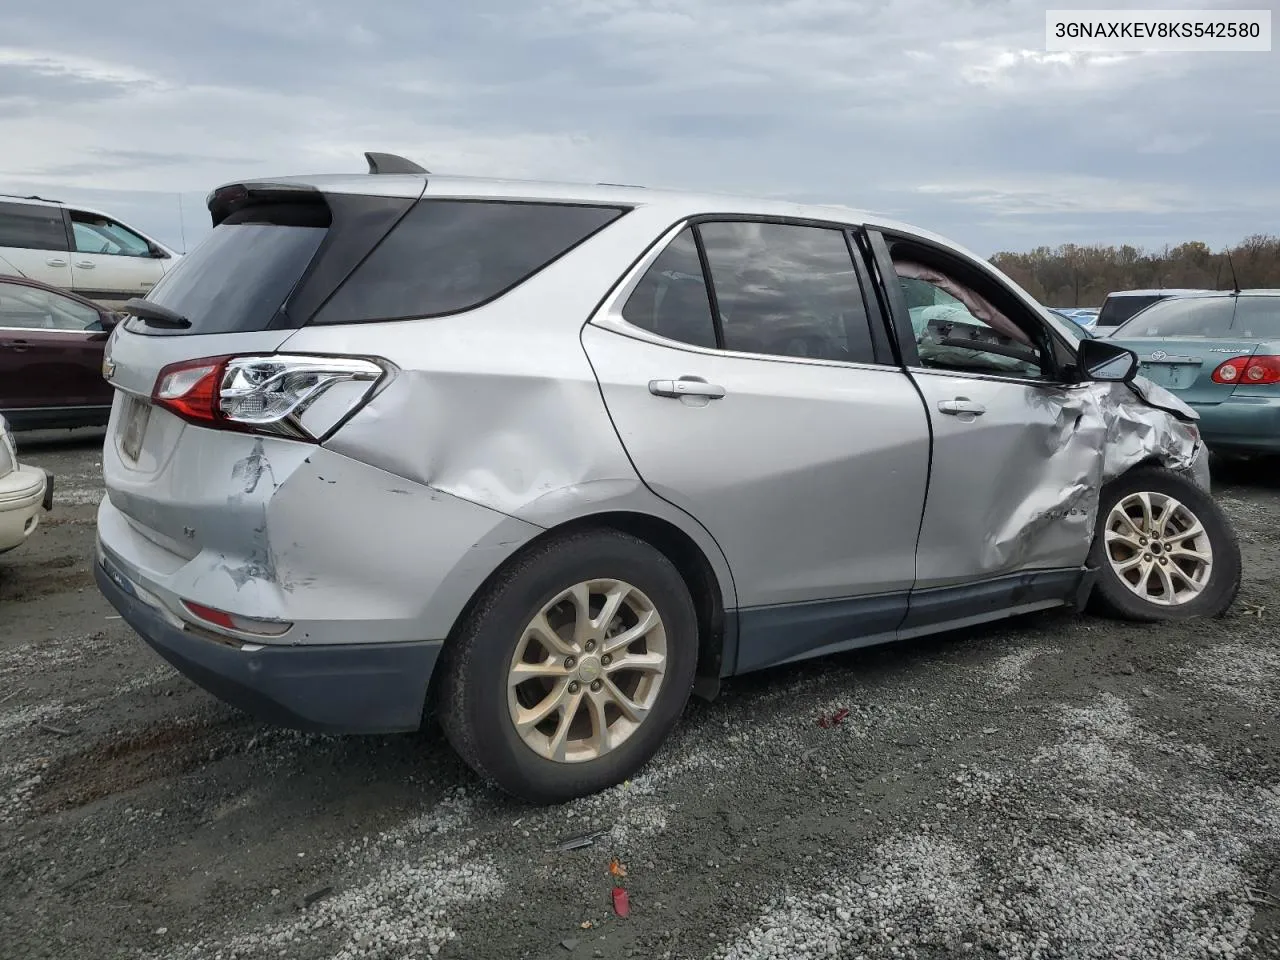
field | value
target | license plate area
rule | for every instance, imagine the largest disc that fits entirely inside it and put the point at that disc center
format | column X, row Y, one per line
column 134, row 417
column 1171, row 376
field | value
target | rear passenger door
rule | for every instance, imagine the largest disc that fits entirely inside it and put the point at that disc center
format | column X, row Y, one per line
column 33, row 243
column 739, row 363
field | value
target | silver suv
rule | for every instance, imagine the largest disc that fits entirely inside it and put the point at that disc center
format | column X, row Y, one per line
column 545, row 459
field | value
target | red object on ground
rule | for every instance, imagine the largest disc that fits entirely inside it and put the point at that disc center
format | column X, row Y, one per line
column 621, row 904
column 826, row 722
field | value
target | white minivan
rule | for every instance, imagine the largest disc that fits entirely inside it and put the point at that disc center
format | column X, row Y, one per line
column 79, row 249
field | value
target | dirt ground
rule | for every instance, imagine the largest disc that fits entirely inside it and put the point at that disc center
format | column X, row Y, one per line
column 1051, row 787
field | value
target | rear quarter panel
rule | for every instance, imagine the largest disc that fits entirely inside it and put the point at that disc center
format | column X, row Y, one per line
column 499, row 406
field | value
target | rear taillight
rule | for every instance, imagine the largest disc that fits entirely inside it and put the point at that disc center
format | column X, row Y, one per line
column 296, row 396
column 1248, row 370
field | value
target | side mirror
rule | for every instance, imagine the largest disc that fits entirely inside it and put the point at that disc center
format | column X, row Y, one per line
column 156, row 252
column 110, row 319
column 1103, row 360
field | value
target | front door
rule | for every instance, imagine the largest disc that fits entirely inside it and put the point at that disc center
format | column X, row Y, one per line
column 110, row 262
column 757, row 405
column 1017, row 452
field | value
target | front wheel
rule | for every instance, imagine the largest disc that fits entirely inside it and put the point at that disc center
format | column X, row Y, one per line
column 572, row 668
column 1164, row 550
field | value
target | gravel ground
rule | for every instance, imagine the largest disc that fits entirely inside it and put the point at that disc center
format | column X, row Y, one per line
column 1050, row 787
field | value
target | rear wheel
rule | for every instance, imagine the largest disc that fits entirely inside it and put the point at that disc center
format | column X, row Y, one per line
column 572, row 668
column 1164, row 549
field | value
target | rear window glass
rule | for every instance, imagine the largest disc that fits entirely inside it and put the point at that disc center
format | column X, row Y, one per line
column 237, row 278
column 32, row 227
column 1196, row 317
column 1257, row 317
column 447, row 256
column 1116, row 310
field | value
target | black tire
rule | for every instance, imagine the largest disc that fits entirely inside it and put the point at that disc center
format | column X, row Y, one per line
column 473, row 708
column 1112, row 597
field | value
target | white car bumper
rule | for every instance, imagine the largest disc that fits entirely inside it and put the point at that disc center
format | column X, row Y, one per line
column 22, row 500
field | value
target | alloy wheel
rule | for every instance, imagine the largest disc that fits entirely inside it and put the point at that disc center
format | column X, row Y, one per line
column 587, row 670
column 1158, row 548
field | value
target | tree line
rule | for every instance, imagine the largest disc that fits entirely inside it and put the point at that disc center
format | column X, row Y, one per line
column 1082, row 276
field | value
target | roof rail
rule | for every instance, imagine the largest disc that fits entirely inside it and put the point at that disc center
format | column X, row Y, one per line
column 390, row 163
column 14, row 196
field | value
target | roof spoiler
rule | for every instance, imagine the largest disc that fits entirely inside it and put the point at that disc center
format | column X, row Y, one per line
column 391, row 163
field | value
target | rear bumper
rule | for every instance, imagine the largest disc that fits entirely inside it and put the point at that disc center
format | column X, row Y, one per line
column 24, row 493
column 1244, row 424
column 330, row 688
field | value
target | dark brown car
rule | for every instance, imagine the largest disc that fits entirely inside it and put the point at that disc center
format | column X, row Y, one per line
column 51, row 344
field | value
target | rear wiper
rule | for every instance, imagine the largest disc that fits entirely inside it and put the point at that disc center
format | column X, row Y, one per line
column 154, row 315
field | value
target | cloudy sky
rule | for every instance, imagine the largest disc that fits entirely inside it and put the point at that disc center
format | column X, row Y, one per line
column 947, row 113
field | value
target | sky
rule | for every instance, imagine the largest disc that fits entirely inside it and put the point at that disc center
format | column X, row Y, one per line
column 949, row 114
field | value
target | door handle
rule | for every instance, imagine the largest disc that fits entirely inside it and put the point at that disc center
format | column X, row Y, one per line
column 17, row 346
column 686, row 388
column 961, row 405
column 56, row 262
column 85, row 264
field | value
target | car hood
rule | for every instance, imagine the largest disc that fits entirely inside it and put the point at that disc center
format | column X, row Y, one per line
column 1160, row 398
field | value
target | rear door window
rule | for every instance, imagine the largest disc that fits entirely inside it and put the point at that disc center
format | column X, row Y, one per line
column 787, row 290
column 1192, row 317
column 32, row 227
column 1257, row 317
column 447, row 256
column 671, row 299
column 34, row 308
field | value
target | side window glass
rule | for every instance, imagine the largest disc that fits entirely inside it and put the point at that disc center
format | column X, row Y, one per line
column 956, row 329
column 95, row 234
column 30, row 308
column 69, row 315
column 90, row 240
column 32, row 227
column 787, row 290
column 671, row 298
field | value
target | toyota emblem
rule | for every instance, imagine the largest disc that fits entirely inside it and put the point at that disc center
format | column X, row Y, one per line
column 1159, row 355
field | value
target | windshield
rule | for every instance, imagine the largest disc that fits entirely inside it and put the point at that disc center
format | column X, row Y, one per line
column 1173, row 317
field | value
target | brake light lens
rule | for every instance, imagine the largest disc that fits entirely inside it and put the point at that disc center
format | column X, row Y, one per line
column 1250, row 370
column 292, row 395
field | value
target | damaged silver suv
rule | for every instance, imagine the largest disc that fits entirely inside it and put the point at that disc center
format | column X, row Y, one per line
column 546, row 459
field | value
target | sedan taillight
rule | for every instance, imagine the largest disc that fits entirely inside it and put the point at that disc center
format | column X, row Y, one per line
column 297, row 396
column 1248, row 370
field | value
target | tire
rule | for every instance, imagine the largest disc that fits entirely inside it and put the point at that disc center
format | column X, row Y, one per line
column 1115, row 593
column 474, row 706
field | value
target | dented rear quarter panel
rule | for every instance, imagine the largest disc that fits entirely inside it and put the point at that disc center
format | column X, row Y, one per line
column 500, row 407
